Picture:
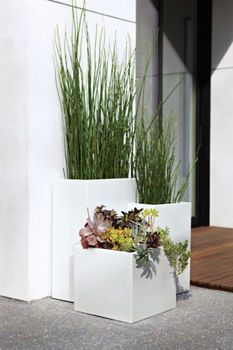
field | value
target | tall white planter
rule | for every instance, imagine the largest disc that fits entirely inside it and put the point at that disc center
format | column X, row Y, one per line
column 176, row 216
column 108, row 284
column 71, row 198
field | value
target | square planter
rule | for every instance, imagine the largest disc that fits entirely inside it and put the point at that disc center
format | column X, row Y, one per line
column 176, row 216
column 71, row 198
column 108, row 284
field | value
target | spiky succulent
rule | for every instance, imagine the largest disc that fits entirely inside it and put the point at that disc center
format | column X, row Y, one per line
column 128, row 219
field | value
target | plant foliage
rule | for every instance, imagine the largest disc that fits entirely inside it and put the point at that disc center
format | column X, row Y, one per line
column 156, row 168
column 134, row 231
column 177, row 253
column 97, row 93
column 106, row 135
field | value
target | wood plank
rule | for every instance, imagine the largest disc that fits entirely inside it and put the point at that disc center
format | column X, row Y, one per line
column 212, row 257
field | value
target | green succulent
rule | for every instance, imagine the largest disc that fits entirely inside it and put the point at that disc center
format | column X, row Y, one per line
column 119, row 239
column 177, row 253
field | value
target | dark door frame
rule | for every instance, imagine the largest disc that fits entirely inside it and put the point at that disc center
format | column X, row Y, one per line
column 203, row 79
column 204, row 38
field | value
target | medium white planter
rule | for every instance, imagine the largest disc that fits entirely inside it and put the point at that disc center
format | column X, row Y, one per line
column 108, row 284
column 176, row 216
column 71, row 198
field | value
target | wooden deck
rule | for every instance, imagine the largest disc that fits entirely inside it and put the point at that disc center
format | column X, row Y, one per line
column 212, row 258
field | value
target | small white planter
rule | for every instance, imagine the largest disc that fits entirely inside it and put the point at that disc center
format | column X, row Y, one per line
column 71, row 198
column 108, row 284
column 176, row 216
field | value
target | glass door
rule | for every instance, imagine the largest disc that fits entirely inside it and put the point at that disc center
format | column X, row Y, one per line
column 185, row 59
column 179, row 33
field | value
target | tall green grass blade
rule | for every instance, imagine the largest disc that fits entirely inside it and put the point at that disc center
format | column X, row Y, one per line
column 97, row 100
column 155, row 166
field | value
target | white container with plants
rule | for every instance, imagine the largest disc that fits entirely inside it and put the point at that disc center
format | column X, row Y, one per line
column 157, row 175
column 177, row 217
column 97, row 100
column 125, row 267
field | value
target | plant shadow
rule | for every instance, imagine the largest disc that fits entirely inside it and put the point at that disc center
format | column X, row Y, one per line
column 149, row 268
column 182, row 294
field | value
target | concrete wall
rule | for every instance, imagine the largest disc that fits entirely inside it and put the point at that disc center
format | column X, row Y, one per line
column 31, row 152
column 221, row 162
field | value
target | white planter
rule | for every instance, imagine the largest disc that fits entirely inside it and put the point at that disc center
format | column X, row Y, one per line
column 71, row 198
column 108, row 284
column 176, row 216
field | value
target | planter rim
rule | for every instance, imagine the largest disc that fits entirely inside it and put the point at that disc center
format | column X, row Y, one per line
column 176, row 203
column 112, row 179
column 112, row 250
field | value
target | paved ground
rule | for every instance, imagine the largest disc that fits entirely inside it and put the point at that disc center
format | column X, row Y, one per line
column 202, row 320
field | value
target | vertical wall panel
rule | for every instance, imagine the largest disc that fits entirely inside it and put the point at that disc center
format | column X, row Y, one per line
column 221, row 162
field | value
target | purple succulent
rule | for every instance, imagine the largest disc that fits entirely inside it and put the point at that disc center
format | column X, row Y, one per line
column 91, row 233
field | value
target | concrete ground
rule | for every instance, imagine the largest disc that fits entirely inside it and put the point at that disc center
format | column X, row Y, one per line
column 203, row 319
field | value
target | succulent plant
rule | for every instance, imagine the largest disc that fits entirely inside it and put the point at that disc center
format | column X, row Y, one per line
column 120, row 238
column 153, row 240
column 177, row 253
column 91, row 233
column 129, row 219
column 133, row 231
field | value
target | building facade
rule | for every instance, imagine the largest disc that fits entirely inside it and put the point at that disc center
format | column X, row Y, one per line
column 192, row 47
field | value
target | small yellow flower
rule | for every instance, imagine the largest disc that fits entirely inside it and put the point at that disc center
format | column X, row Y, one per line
column 150, row 212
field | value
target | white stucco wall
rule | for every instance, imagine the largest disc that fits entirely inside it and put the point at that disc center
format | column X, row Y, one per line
column 14, row 206
column 31, row 153
column 221, row 160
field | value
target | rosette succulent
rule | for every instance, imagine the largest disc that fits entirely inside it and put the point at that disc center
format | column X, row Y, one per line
column 93, row 229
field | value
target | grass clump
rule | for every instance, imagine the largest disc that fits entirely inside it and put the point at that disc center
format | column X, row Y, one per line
column 97, row 93
column 156, row 168
column 106, row 135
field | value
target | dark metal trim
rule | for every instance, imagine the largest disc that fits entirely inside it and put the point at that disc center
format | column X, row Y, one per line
column 195, row 221
column 204, row 31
